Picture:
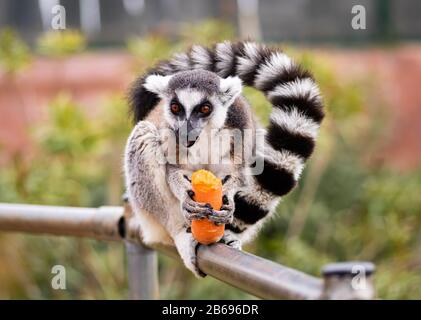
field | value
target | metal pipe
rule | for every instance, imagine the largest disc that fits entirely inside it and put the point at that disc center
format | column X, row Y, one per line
column 255, row 275
column 142, row 261
column 142, row 264
column 99, row 223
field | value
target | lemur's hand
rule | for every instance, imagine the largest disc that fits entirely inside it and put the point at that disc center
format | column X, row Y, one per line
column 193, row 210
column 187, row 246
column 225, row 214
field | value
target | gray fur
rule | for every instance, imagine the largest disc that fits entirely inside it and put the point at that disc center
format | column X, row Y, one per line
column 201, row 80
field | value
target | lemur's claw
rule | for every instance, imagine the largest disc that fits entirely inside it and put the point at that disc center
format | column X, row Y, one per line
column 193, row 210
column 231, row 240
column 225, row 214
column 225, row 199
column 221, row 216
column 226, row 178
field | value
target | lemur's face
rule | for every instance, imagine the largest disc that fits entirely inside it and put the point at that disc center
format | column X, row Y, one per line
column 189, row 111
column 193, row 101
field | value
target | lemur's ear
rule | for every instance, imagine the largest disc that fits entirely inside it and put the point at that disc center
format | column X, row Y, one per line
column 230, row 88
column 157, row 84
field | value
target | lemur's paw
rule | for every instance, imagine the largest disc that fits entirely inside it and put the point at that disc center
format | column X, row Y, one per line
column 193, row 210
column 225, row 214
column 231, row 239
column 187, row 246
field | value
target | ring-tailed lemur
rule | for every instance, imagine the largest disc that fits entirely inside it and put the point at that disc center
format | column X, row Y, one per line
column 195, row 93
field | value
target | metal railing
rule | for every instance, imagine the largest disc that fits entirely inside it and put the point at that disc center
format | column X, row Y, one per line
column 255, row 275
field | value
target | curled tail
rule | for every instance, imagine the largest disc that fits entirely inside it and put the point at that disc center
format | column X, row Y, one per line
column 297, row 112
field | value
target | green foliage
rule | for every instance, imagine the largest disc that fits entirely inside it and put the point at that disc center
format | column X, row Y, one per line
column 14, row 53
column 61, row 43
column 345, row 208
column 62, row 167
column 70, row 133
column 205, row 32
column 76, row 163
column 149, row 50
column 260, row 105
column 154, row 47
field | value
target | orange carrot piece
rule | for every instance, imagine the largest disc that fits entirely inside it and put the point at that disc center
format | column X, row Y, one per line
column 207, row 189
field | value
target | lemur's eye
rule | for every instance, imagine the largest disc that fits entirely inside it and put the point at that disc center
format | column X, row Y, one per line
column 205, row 109
column 175, row 108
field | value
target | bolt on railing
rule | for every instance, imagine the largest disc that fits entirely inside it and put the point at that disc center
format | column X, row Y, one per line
column 255, row 275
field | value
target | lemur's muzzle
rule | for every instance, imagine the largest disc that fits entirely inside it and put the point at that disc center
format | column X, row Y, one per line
column 187, row 134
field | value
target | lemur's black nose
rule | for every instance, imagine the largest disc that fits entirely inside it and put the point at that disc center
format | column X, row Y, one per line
column 190, row 143
column 187, row 135
column 192, row 137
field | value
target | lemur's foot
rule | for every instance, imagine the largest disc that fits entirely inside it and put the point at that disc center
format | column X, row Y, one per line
column 231, row 239
column 193, row 210
column 187, row 246
column 225, row 214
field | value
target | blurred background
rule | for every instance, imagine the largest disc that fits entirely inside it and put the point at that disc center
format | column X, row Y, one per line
column 63, row 125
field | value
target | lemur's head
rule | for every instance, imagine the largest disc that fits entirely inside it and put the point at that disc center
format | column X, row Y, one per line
column 194, row 100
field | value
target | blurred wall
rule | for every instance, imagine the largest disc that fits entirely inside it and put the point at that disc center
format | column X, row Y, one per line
column 325, row 20
column 110, row 21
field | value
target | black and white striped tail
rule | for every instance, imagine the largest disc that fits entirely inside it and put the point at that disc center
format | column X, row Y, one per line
column 294, row 122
